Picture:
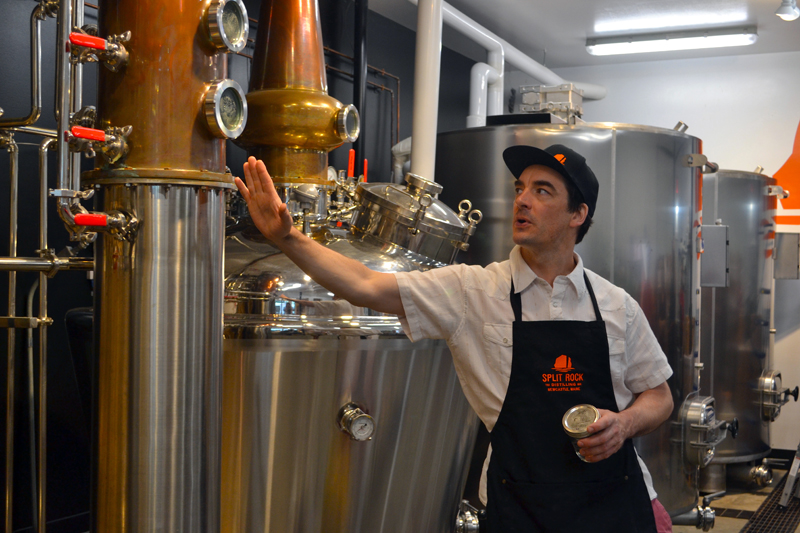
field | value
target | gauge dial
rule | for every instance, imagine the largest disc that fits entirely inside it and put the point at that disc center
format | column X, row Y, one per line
column 228, row 25
column 226, row 109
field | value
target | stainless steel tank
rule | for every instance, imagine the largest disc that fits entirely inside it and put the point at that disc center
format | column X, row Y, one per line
column 332, row 419
column 644, row 239
column 735, row 320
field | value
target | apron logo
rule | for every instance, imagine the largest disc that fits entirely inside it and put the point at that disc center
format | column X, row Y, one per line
column 563, row 363
column 564, row 381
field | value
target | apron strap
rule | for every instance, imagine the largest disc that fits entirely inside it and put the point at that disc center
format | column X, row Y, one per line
column 516, row 300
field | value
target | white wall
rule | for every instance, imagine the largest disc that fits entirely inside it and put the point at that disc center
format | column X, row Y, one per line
column 746, row 110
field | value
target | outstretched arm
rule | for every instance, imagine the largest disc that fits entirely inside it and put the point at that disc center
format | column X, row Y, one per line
column 650, row 409
column 341, row 275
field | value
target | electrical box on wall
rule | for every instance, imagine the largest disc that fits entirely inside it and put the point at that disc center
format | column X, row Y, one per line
column 787, row 256
column 714, row 261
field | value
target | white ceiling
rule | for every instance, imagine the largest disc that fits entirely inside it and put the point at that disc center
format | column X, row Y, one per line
column 554, row 32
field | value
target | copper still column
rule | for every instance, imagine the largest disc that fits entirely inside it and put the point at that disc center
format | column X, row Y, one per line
column 158, row 294
column 294, row 123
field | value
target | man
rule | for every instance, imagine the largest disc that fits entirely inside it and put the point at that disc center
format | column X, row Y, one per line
column 506, row 326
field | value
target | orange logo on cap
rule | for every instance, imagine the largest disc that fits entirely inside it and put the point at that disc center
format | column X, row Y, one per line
column 561, row 158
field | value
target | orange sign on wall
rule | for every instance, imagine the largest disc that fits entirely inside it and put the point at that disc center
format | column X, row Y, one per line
column 788, row 177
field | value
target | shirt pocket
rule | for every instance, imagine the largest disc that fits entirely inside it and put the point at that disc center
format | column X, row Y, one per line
column 616, row 357
column 497, row 345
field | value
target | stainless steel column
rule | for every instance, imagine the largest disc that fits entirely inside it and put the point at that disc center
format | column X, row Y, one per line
column 158, row 316
column 158, row 294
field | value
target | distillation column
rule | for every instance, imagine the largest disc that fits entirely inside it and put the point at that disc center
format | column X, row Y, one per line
column 165, row 109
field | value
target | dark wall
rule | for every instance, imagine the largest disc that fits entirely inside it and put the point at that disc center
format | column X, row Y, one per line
column 389, row 46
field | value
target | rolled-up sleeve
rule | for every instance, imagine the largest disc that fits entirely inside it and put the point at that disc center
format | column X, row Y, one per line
column 647, row 365
column 434, row 302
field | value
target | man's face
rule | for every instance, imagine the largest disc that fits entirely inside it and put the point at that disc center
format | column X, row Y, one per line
column 541, row 216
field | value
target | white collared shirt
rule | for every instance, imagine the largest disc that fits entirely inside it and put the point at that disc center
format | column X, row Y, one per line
column 469, row 307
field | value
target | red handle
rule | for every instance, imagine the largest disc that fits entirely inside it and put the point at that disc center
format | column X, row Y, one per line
column 351, row 163
column 88, row 133
column 365, row 171
column 89, row 41
column 91, row 219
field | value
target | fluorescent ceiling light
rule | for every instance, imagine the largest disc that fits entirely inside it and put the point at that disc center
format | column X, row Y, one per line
column 665, row 42
column 672, row 20
column 788, row 10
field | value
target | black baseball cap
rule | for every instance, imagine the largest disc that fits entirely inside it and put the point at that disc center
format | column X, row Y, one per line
column 563, row 160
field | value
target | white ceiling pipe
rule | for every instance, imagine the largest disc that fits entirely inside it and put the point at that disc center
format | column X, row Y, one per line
column 495, row 59
column 427, row 69
column 480, row 77
column 514, row 56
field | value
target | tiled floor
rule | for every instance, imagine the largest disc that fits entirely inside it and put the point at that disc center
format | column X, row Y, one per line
column 736, row 499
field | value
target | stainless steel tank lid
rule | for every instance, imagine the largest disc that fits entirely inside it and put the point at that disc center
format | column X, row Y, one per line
column 402, row 204
column 578, row 418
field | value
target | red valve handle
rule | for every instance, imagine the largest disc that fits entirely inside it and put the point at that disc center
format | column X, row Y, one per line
column 365, row 171
column 351, row 163
column 88, row 133
column 89, row 41
column 91, row 219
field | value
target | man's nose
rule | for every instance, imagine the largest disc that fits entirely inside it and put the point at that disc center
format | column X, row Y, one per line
column 523, row 199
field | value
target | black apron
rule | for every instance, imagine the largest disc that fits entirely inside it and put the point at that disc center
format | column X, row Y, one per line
column 535, row 481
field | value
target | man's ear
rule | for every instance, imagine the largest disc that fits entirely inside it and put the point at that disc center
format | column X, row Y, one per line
column 579, row 216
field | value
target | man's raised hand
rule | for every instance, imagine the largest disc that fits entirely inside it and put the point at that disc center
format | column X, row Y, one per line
column 269, row 213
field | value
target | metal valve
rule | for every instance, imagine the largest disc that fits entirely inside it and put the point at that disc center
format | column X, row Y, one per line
column 355, row 422
column 117, row 223
column 111, row 52
column 111, row 143
column 467, row 519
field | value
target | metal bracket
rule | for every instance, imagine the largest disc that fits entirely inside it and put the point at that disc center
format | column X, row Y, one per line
column 24, row 322
column 67, row 193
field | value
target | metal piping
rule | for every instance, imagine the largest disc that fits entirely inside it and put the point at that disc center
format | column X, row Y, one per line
column 42, row 132
column 13, row 152
column 63, row 110
column 40, row 13
column 482, row 76
column 50, row 265
column 32, row 408
column 360, row 76
column 41, row 508
column 500, row 51
column 76, row 85
column 38, row 483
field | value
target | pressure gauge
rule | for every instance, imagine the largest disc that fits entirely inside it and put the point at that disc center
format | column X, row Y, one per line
column 228, row 25
column 356, row 423
column 226, row 109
